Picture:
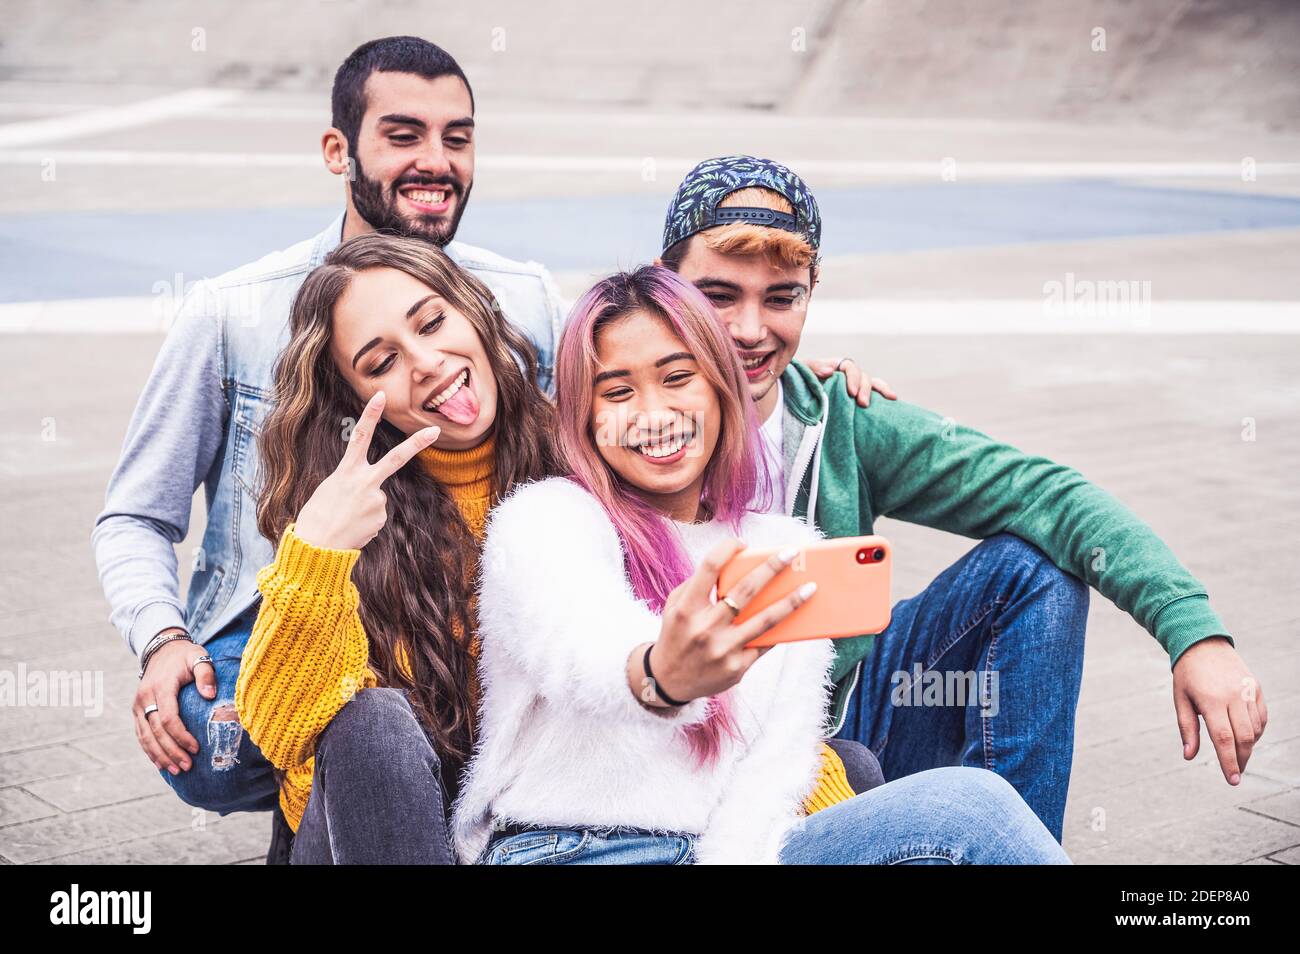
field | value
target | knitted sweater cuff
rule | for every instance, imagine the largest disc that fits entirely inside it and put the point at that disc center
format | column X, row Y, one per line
column 832, row 783
column 317, row 570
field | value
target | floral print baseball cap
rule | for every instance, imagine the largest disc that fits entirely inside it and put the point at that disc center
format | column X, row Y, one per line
column 695, row 206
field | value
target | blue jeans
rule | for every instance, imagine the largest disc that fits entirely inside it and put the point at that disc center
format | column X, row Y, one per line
column 1005, row 621
column 590, row 846
column 229, row 773
column 944, row 816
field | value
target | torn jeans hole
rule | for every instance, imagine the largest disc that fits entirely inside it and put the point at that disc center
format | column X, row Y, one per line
column 224, row 735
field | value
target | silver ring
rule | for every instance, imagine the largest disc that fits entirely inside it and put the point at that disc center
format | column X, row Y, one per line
column 151, row 707
column 205, row 658
column 735, row 610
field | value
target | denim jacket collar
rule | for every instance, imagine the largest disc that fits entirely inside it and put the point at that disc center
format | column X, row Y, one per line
column 328, row 240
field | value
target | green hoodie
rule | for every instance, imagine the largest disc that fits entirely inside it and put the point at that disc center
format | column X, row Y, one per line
column 894, row 459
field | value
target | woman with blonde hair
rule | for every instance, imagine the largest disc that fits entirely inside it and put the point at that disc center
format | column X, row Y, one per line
column 406, row 405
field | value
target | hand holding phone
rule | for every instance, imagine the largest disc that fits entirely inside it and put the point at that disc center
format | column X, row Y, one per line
column 853, row 577
column 700, row 651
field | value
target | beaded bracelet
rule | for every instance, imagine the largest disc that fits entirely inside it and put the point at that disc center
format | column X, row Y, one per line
column 154, row 645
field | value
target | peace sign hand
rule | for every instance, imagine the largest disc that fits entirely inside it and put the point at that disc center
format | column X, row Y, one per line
column 349, row 508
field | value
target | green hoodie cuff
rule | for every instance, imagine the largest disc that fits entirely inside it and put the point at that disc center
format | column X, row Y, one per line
column 1185, row 622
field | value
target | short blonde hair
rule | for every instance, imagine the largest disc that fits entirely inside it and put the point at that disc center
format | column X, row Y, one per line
column 783, row 249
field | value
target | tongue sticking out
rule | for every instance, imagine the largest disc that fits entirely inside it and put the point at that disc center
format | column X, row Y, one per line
column 461, row 407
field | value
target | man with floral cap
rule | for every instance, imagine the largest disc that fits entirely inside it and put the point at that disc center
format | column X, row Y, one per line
column 983, row 667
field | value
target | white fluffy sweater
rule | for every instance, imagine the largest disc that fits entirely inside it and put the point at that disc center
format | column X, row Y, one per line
column 562, row 739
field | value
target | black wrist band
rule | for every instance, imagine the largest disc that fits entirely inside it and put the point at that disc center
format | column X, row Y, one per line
column 659, row 691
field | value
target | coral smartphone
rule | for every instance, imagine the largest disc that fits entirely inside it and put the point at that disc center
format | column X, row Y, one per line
column 852, row 598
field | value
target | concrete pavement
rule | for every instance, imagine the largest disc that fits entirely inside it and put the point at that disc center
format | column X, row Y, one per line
column 1156, row 420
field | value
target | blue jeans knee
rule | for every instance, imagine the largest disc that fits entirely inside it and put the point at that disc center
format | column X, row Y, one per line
column 229, row 773
column 948, row 815
column 984, row 801
column 1065, row 594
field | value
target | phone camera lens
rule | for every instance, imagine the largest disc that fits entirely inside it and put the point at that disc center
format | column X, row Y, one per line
column 878, row 554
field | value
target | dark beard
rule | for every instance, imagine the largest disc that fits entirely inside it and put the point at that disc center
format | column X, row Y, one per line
column 378, row 207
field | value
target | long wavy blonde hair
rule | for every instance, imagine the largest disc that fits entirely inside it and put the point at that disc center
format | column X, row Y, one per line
column 411, row 578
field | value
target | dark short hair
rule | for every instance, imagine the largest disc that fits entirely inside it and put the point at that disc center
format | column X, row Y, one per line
column 672, row 256
column 391, row 54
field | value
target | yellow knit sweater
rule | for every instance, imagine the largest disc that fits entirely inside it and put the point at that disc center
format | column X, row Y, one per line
column 308, row 653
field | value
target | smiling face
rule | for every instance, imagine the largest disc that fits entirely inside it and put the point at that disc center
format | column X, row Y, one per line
column 655, row 416
column 391, row 332
column 763, row 306
column 414, row 159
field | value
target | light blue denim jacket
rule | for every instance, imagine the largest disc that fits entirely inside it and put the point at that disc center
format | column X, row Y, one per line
column 197, row 423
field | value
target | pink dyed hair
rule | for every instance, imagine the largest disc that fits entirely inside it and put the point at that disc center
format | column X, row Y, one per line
column 735, row 479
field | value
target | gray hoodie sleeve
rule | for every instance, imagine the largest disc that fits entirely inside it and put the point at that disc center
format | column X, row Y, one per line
column 172, row 442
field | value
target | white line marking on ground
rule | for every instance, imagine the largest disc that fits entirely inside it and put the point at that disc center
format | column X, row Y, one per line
column 132, row 157
column 43, row 109
column 997, row 316
column 865, row 316
column 676, row 165
column 112, row 118
column 88, row 316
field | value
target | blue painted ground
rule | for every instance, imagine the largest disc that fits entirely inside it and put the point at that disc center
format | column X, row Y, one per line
column 86, row 255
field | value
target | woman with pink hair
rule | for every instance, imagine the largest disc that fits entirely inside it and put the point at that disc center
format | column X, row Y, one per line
column 623, row 719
